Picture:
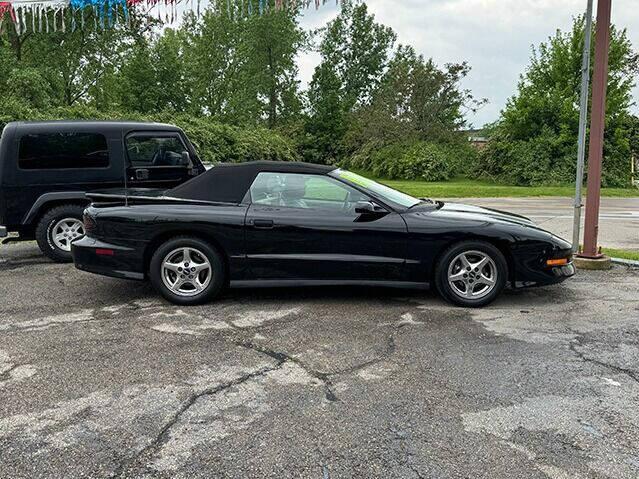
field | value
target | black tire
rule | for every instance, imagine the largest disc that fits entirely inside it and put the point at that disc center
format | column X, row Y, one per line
column 218, row 271
column 45, row 229
column 452, row 293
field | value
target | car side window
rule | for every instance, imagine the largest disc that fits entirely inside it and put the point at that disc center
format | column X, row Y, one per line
column 63, row 151
column 294, row 190
column 148, row 151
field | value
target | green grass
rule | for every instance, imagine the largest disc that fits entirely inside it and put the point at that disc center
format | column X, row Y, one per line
column 465, row 188
column 621, row 253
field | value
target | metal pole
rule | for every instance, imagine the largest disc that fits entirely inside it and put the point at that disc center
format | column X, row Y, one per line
column 597, row 125
column 583, row 118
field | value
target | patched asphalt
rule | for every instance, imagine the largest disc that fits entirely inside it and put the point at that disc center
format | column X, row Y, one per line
column 101, row 378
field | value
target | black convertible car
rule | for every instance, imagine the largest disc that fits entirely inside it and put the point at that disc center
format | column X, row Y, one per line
column 279, row 224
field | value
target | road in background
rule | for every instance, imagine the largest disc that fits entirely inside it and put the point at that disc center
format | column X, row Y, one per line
column 618, row 220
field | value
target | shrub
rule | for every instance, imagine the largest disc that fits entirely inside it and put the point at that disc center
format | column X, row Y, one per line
column 547, row 159
column 539, row 160
column 419, row 160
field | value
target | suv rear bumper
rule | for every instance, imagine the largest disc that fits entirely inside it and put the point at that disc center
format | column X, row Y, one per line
column 3, row 231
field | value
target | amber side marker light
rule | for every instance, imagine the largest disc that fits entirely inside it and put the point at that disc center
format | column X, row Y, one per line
column 557, row 262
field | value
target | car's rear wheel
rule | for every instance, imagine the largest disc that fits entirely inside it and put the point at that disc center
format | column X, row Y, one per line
column 187, row 271
column 471, row 273
column 57, row 229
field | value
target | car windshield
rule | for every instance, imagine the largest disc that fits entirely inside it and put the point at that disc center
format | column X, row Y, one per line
column 377, row 190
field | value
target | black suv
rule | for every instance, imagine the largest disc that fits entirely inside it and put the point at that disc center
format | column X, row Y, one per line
column 46, row 168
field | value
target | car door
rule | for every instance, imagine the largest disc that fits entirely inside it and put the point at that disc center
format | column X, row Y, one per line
column 156, row 159
column 304, row 227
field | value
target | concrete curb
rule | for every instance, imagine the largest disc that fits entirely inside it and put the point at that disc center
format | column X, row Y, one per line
column 626, row 262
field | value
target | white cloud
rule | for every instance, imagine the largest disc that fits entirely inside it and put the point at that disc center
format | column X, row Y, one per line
column 494, row 36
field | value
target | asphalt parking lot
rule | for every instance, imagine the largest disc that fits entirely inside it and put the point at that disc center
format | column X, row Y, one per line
column 101, row 378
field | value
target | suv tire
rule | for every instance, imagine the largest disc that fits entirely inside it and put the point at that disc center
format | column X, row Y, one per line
column 187, row 271
column 471, row 274
column 57, row 229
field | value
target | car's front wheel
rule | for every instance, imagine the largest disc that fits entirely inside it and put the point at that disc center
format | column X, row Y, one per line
column 187, row 271
column 471, row 273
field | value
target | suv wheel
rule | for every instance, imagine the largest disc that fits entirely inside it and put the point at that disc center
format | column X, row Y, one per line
column 57, row 229
column 471, row 273
column 187, row 271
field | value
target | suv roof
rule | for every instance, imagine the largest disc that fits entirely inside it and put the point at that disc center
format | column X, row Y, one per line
column 101, row 124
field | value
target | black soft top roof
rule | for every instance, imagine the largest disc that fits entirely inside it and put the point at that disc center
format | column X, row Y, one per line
column 229, row 182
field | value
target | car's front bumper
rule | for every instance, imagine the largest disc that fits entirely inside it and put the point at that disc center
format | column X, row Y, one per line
column 99, row 257
column 532, row 268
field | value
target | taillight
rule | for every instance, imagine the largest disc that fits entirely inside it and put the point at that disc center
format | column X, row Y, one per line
column 89, row 223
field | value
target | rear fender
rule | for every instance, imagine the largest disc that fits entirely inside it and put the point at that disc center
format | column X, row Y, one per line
column 49, row 200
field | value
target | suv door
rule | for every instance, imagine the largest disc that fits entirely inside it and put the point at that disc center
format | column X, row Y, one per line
column 304, row 226
column 157, row 160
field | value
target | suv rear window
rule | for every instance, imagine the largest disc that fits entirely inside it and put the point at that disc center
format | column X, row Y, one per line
column 51, row 151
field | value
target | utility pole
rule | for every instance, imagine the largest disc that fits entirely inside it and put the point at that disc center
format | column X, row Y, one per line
column 597, row 126
column 583, row 118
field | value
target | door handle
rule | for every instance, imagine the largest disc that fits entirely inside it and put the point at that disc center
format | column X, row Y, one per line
column 263, row 224
column 142, row 174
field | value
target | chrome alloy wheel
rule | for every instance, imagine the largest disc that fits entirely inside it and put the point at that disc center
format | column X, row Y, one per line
column 65, row 231
column 186, row 271
column 472, row 275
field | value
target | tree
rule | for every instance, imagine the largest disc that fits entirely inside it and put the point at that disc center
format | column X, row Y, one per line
column 153, row 76
column 273, row 40
column 242, row 67
column 543, row 116
column 70, row 63
column 355, row 51
column 415, row 100
column 326, row 125
column 216, row 66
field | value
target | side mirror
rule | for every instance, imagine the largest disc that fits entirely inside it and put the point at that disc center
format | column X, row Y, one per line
column 368, row 208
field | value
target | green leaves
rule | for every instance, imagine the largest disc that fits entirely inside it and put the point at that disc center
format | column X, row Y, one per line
column 370, row 101
column 536, row 138
column 413, row 160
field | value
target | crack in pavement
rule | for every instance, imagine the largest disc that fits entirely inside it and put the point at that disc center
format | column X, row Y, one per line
column 389, row 351
column 325, row 377
column 631, row 374
column 163, row 435
column 407, row 454
column 284, row 357
column 6, row 375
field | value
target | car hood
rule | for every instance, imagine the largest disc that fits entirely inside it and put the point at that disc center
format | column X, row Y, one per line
column 439, row 216
column 478, row 212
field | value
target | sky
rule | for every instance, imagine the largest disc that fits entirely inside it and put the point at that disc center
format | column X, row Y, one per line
column 494, row 36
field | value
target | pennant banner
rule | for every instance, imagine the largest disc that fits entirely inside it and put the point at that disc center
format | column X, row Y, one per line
column 50, row 15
